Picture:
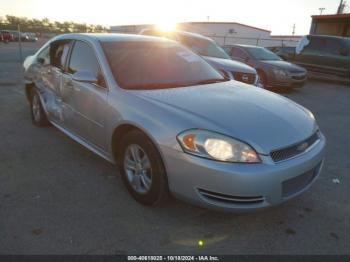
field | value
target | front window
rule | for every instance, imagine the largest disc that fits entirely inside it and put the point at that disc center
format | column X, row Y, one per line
column 262, row 54
column 83, row 58
column 157, row 65
column 204, row 47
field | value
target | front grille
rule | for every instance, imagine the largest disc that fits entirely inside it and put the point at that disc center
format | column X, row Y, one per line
column 299, row 77
column 294, row 150
column 244, row 77
column 296, row 184
column 297, row 72
column 228, row 199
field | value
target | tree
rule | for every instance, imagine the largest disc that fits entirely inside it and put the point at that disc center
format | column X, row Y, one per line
column 46, row 26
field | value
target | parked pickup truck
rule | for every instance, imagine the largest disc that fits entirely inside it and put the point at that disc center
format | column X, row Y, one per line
column 6, row 36
column 318, row 53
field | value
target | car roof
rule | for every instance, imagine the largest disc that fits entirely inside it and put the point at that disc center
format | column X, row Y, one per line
column 180, row 32
column 109, row 37
column 190, row 34
column 245, row 46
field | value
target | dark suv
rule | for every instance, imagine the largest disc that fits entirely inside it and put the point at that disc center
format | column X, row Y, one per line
column 323, row 54
column 211, row 52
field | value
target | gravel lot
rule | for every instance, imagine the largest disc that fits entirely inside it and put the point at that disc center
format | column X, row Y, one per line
column 56, row 197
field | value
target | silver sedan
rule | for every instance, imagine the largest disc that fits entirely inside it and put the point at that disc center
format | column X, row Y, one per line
column 172, row 124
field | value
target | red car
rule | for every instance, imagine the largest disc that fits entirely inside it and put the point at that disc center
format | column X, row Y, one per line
column 6, row 36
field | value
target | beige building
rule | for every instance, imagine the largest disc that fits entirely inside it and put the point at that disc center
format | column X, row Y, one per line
column 338, row 25
column 224, row 33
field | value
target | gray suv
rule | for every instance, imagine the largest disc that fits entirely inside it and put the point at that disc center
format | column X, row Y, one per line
column 272, row 70
column 212, row 53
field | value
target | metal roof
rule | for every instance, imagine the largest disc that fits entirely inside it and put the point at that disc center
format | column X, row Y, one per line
column 334, row 16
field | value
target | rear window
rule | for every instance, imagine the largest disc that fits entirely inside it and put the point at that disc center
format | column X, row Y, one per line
column 59, row 52
column 156, row 65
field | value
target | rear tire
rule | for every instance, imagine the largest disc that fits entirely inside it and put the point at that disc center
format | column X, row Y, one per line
column 36, row 109
column 142, row 169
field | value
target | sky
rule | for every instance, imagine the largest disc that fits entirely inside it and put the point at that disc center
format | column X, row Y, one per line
column 278, row 16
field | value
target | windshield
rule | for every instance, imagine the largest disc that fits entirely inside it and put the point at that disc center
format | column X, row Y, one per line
column 157, row 65
column 260, row 53
column 204, row 47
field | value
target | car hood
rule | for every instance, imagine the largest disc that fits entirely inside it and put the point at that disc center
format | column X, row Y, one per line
column 229, row 65
column 284, row 65
column 265, row 120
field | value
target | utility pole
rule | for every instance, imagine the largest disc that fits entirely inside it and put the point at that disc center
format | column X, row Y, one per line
column 208, row 17
column 340, row 7
column 321, row 10
column 293, row 33
column 20, row 43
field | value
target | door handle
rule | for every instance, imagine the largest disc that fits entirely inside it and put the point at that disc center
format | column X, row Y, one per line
column 69, row 84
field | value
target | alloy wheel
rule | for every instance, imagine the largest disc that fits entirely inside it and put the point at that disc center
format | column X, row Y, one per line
column 36, row 108
column 137, row 167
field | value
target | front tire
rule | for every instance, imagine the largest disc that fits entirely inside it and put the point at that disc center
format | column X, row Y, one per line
column 142, row 169
column 37, row 112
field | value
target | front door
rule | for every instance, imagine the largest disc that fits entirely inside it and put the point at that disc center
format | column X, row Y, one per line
column 85, row 103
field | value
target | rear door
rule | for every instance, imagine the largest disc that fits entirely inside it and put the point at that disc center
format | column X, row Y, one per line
column 51, row 75
column 85, row 103
column 38, row 71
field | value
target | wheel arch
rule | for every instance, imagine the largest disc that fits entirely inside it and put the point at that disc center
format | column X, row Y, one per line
column 263, row 73
column 123, row 129
column 28, row 89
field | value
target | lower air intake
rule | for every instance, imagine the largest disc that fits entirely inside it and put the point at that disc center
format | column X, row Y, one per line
column 228, row 199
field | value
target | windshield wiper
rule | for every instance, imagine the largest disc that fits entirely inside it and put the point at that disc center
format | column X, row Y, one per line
column 151, row 86
column 210, row 81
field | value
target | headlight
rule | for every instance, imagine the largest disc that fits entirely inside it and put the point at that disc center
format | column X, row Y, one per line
column 257, row 80
column 279, row 73
column 216, row 146
column 226, row 74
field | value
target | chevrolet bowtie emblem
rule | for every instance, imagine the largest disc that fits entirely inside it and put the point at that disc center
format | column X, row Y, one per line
column 302, row 146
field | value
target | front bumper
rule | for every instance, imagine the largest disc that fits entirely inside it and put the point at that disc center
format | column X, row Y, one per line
column 241, row 187
column 292, row 80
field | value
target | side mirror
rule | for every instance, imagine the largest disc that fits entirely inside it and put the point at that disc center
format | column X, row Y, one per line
column 85, row 76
